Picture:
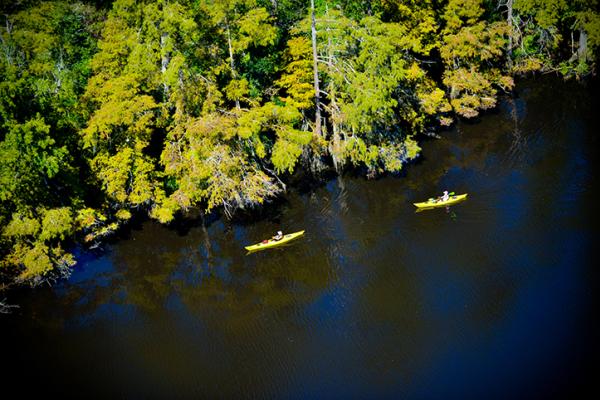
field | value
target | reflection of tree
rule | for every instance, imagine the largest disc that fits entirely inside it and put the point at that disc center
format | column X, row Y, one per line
column 517, row 147
column 206, row 237
column 155, row 263
column 277, row 280
column 145, row 265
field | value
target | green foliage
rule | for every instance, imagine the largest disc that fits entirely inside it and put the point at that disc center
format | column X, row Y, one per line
column 285, row 155
column 29, row 158
column 35, row 260
column 56, row 224
column 545, row 31
column 210, row 162
column 472, row 50
column 34, row 242
column 21, row 226
column 44, row 63
column 296, row 79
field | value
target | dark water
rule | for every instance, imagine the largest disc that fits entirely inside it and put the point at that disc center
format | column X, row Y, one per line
column 493, row 298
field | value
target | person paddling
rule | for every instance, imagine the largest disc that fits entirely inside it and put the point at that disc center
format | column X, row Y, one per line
column 445, row 196
column 279, row 236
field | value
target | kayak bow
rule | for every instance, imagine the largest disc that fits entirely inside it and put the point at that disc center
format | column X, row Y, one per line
column 432, row 203
column 273, row 243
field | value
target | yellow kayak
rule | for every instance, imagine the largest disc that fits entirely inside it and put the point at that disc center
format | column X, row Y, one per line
column 272, row 243
column 431, row 203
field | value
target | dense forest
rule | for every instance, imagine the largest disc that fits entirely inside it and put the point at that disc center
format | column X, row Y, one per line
column 110, row 109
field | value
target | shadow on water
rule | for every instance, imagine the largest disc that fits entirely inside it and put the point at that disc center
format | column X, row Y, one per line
column 493, row 298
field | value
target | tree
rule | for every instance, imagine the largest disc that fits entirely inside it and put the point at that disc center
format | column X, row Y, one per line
column 472, row 52
column 139, row 84
column 313, row 35
column 242, row 26
column 207, row 159
column 45, row 51
column 542, row 28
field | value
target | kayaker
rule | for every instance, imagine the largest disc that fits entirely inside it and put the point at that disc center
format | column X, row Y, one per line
column 445, row 196
column 279, row 236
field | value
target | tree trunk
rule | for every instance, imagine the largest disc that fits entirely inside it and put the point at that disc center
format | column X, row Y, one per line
column 207, row 245
column 582, row 49
column 334, row 111
column 164, row 62
column 335, row 148
column 509, row 20
column 231, row 62
column 313, row 29
column 516, row 150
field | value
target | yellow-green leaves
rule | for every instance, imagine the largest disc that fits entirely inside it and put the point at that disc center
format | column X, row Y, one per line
column 88, row 218
column 472, row 50
column 547, row 12
column 35, row 260
column 57, row 223
column 475, row 44
column 296, row 80
column 34, row 250
column 165, row 208
column 288, row 148
column 45, row 52
column 433, row 100
column 235, row 183
column 255, row 29
column 237, row 89
column 541, row 27
column 21, row 225
column 94, row 224
column 127, row 177
column 129, row 118
column 141, row 82
column 210, row 159
column 460, row 13
column 359, row 153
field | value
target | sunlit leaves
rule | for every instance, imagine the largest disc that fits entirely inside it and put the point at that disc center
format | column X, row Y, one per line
column 56, row 223
column 207, row 158
column 296, row 80
column 45, row 52
column 29, row 157
column 34, row 240
column 255, row 29
column 35, row 260
column 542, row 27
column 127, row 177
column 21, row 225
column 285, row 155
column 471, row 51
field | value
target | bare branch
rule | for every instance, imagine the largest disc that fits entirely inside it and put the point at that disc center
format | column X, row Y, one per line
column 6, row 308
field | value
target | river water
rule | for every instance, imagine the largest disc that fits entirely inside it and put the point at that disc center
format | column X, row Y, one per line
column 492, row 298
